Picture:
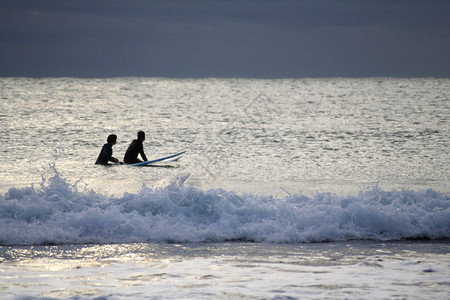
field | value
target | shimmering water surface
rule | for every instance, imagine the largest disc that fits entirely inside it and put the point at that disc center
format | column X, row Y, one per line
column 290, row 188
column 304, row 135
column 352, row 270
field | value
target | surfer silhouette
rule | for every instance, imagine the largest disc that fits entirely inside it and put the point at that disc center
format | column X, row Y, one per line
column 135, row 149
column 106, row 153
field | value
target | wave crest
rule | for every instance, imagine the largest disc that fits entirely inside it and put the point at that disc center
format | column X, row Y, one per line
column 58, row 213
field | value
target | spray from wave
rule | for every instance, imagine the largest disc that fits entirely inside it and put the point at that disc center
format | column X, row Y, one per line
column 57, row 212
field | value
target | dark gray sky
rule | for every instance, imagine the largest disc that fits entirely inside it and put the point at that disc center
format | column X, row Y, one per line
column 256, row 39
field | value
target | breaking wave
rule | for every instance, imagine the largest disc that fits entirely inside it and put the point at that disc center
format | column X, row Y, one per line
column 57, row 212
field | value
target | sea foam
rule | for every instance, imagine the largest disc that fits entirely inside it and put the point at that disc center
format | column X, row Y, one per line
column 57, row 212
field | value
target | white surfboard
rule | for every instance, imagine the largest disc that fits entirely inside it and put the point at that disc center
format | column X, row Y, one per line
column 172, row 157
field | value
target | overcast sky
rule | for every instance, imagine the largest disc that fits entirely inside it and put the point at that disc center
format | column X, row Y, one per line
column 256, row 39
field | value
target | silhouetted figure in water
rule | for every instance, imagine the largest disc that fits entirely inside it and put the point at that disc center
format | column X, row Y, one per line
column 105, row 155
column 135, row 149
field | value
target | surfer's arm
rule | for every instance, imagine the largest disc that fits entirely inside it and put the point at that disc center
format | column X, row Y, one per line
column 141, row 152
column 107, row 151
column 143, row 155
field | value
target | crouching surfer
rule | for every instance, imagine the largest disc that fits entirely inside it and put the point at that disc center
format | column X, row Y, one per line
column 135, row 149
column 106, row 153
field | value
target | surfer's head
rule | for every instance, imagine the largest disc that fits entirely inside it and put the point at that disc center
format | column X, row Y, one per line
column 141, row 136
column 112, row 138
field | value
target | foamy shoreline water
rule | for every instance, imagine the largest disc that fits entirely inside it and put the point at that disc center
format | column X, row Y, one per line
column 355, row 270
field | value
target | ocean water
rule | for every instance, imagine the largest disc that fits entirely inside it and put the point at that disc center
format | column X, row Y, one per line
column 289, row 189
